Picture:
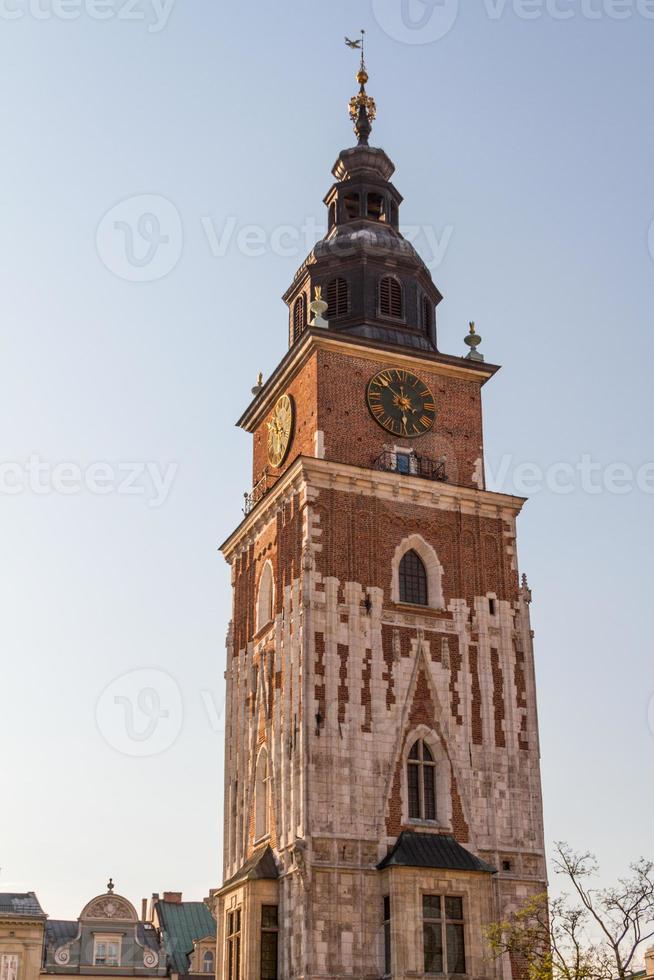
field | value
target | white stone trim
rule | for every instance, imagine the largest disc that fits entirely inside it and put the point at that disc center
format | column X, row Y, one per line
column 265, row 596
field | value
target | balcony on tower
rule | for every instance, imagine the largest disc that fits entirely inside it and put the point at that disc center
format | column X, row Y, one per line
column 411, row 464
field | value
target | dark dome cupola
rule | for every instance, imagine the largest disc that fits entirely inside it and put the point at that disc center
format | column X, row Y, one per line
column 373, row 280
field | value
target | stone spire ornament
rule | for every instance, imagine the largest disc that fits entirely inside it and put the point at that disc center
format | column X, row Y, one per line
column 362, row 106
column 318, row 308
column 473, row 340
column 258, row 388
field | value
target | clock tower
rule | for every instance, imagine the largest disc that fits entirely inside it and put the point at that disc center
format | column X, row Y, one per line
column 382, row 776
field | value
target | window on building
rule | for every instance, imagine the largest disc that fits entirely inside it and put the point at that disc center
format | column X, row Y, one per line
column 413, row 580
column 443, row 934
column 421, row 781
column 234, row 945
column 492, row 608
column 351, row 206
column 403, row 462
column 269, row 942
column 106, row 951
column 208, row 961
column 375, row 208
column 337, row 298
column 387, row 936
column 427, row 315
column 9, row 966
column 391, row 301
column 299, row 316
column 265, row 597
column 261, row 796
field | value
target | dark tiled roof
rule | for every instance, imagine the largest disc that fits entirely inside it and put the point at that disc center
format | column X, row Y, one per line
column 182, row 924
column 147, row 936
column 59, row 931
column 262, row 864
column 21, row 904
column 414, row 850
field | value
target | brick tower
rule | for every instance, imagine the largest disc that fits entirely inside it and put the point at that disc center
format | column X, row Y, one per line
column 382, row 778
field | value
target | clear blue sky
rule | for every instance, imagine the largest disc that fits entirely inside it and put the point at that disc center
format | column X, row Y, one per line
column 527, row 145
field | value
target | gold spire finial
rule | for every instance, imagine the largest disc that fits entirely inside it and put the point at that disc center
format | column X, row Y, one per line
column 362, row 106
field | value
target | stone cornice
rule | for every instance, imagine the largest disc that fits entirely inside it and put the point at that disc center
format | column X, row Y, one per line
column 316, row 339
column 308, row 472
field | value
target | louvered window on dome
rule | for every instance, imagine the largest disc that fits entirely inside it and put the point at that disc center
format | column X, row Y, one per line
column 427, row 315
column 413, row 580
column 299, row 316
column 390, row 298
column 337, row 298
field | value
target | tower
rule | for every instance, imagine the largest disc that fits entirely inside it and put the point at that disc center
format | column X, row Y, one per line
column 382, row 776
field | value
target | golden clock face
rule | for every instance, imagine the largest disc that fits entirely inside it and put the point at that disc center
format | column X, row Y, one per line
column 280, row 431
column 401, row 403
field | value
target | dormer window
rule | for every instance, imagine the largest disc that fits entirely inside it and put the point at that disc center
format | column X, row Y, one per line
column 375, row 209
column 337, row 298
column 391, row 299
column 106, row 951
column 299, row 316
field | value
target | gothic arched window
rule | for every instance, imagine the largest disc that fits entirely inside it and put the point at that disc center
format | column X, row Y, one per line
column 299, row 316
column 391, row 300
column 265, row 597
column 427, row 315
column 261, row 796
column 421, row 782
column 207, row 962
column 413, row 580
column 337, row 299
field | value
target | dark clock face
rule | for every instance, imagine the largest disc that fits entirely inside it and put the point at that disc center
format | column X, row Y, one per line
column 401, row 403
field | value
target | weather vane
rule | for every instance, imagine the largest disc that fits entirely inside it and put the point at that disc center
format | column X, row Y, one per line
column 362, row 106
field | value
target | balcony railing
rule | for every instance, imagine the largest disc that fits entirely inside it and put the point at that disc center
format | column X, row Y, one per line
column 250, row 500
column 411, row 464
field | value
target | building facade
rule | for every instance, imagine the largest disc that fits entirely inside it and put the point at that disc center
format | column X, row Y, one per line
column 382, row 775
column 22, row 929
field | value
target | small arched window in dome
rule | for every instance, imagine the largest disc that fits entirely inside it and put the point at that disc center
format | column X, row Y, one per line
column 351, row 206
column 299, row 316
column 207, row 962
column 337, row 298
column 375, row 207
column 427, row 315
column 391, row 300
column 413, row 580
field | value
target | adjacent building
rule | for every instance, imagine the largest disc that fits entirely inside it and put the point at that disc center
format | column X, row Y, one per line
column 22, row 930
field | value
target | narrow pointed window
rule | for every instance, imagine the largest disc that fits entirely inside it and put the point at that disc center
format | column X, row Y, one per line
column 337, row 299
column 421, row 782
column 391, row 302
column 299, row 316
column 427, row 315
column 261, row 796
column 265, row 597
column 413, row 580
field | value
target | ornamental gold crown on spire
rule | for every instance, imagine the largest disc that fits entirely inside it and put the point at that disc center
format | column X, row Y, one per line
column 362, row 106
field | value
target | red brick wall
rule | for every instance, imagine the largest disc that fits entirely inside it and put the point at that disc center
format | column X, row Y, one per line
column 329, row 393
